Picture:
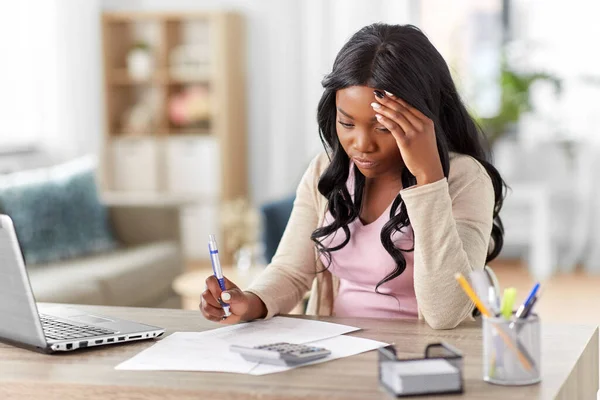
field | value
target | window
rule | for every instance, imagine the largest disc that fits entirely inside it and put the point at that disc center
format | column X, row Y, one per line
column 28, row 72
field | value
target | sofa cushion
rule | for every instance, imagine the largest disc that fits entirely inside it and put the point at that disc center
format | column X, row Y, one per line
column 56, row 211
column 275, row 216
column 126, row 277
column 71, row 291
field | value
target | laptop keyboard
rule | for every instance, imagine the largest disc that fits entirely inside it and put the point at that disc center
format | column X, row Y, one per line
column 60, row 330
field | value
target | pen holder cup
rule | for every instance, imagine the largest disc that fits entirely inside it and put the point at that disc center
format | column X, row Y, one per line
column 511, row 350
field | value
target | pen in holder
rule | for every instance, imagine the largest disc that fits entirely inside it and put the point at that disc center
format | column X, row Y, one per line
column 511, row 350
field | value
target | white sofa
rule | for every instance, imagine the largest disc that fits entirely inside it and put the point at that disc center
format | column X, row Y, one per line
column 139, row 273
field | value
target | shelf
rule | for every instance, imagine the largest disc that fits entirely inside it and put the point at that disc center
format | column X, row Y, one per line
column 127, row 136
column 189, row 132
column 162, row 168
column 150, row 199
column 136, row 16
column 189, row 78
column 120, row 77
column 162, row 134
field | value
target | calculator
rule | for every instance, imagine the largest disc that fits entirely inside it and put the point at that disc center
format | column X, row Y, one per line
column 282, row 353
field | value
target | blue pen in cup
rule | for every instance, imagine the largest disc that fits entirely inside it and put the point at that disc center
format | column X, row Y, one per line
column 217, row 271
column 525, row 308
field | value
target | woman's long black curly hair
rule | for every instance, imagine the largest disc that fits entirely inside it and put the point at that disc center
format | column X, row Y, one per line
column 401, row 60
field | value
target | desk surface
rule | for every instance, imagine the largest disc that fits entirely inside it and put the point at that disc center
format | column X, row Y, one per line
column 569, row 370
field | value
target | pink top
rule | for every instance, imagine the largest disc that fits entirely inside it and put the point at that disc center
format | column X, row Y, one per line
column 364, row 262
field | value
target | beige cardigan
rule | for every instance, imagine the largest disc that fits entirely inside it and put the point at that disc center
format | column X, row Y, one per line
column 451, row 220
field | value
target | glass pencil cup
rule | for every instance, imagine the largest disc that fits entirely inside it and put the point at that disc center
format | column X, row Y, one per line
column 511, row 350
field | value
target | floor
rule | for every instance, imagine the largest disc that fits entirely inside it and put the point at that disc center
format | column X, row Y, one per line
column 569, row 298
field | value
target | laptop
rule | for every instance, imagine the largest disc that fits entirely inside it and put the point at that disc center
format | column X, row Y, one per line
column 51, row 328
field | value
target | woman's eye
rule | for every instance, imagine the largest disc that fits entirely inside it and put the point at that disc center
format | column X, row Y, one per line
column 345, row 125
column 383, row 129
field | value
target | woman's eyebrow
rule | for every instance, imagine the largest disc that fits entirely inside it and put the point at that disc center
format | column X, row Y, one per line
column 350, row 116
column 345, row 113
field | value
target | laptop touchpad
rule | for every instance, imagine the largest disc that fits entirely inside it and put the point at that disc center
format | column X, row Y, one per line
column 90, row 319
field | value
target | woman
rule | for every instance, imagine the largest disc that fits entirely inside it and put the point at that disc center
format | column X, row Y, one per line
column 402, row 200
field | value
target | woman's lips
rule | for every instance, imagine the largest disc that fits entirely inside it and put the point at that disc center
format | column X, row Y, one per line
column 362, row 163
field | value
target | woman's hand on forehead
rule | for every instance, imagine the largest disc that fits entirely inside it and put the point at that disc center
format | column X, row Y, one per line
column 414, row 133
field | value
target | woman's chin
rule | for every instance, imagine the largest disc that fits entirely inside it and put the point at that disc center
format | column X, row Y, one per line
column 369, row 172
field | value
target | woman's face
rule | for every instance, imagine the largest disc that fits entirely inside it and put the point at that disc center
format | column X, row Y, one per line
column 369, row 144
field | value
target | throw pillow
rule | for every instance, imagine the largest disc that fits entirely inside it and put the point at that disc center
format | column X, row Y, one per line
column 56, row 211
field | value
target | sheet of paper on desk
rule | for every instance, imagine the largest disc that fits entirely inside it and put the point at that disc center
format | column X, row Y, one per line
column 188, row 351
column 209, row 350
column 340, row 346
column 278, row 329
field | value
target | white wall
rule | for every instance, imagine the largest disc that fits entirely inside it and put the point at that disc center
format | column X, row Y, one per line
column 28, row 37
column 51, row 96
column 80, row 69
column 560, row 38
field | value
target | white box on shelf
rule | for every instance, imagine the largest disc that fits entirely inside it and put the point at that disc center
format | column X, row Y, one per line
column 135, row 164
column 193, row 166
column 197, row 222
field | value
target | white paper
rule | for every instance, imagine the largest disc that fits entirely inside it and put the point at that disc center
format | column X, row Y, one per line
column 209, row 350
column 278, row 329
column 188, row 351
column 340, row 346
column 424, row 367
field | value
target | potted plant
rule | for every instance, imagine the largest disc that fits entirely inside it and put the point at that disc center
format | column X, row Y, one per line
column 514, row 102
column 140, row 62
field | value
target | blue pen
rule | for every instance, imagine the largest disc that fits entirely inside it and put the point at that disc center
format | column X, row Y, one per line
column 521, row 310
column 217, row 271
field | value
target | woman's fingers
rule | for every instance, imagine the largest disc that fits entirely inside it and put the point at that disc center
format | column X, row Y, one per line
column 394, row 116
column 212, row 284
column 208, row 297
column 397, row 113
column 413, row 111
column 229, row 285
column 212, row 299
column 233, row 296
column 210, row 312
column 393, row 127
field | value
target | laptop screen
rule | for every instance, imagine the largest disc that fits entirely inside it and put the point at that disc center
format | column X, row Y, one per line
column 19, row 319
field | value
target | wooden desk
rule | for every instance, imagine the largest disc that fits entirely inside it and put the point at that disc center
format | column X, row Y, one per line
column 569, row 369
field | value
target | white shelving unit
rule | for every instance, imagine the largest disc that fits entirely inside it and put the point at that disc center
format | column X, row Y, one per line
column 202, row 164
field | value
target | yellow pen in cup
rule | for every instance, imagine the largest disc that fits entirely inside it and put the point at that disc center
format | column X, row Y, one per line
column 484, row 311
column 508, row 302
column 471, row 293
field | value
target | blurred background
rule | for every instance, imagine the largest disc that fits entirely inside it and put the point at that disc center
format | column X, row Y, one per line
column 131, row 129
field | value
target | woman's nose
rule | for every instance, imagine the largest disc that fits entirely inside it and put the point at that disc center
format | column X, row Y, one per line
column 363, row 142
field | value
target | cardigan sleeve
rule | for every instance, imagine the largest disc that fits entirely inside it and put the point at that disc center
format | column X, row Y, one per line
column 452, row 222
